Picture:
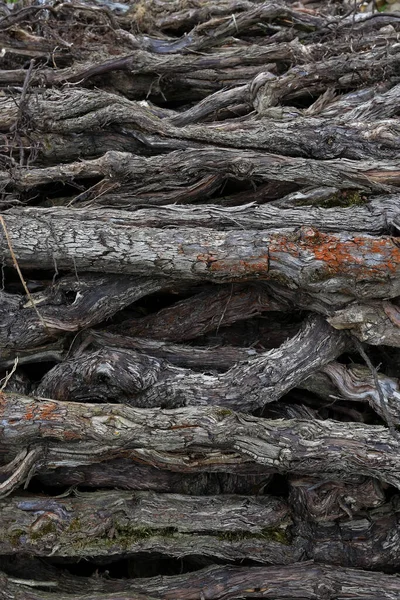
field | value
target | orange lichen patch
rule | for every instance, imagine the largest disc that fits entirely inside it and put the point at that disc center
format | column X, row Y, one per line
column 367, row 255
column 29, row 415
column 41, row 411
column 359, row 256
column 206, row 258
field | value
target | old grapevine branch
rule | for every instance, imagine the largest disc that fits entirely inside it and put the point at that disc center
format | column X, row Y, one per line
column 185, row 513
column 125, row 474
column 115, row 523
column 21, row 468
column 354, row 265
column 113, row 374
column 200, row 358
column 194, row 439
column 307, row 580
column 374, row 217
column 226, row 527
column 21, row 277
column 96, row 297
column 355, row 383
column 308, row 136
column 185, row 167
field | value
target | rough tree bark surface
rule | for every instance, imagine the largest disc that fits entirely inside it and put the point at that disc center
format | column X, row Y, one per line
column 200, row 300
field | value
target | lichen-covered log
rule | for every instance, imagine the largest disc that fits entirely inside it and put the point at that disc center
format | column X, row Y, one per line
column 349, row 264
column 112, row 524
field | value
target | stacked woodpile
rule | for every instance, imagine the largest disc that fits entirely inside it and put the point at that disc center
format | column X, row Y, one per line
column 200, row 316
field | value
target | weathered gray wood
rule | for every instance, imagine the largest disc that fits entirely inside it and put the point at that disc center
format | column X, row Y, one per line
column 115, row 374
column 374, row 217
column 200, row 358
column 186, row 167
column 187, row 439
column 353, row 265
column 83, row 112
column 122, row 523
column 307, row 581
column 286, row 115
column 111, row 524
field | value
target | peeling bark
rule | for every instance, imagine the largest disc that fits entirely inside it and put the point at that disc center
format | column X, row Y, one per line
column 222, row 174
column 374, row 323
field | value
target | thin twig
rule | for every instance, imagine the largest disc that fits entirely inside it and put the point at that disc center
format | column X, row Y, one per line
column 387, row 416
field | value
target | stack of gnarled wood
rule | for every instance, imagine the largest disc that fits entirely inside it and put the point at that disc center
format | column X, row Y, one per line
column 200, row 316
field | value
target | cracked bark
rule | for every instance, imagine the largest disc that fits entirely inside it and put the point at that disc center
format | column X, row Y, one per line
column 188, row 440
column 307, row 580
column 106, row 523
column 348, row 264
column 224, row 175
column 139, row 380
column 74, row 303
column 224, row 527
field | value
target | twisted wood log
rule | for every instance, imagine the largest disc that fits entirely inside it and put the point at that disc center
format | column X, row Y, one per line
column 185, row 168
column 109, row 524
column 349, row 212
column 188, row 440
column 112, row 524
column 74, row 303
column 304, row 580
column 128, row 475
column 139, row 380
